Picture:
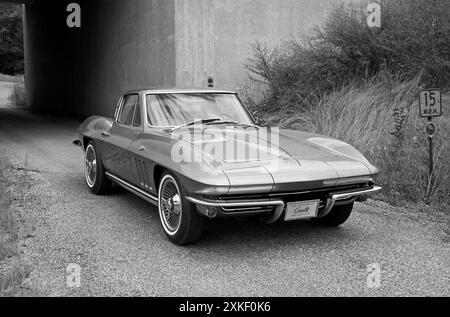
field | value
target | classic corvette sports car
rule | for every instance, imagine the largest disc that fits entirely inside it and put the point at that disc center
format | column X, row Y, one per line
column 198, row 154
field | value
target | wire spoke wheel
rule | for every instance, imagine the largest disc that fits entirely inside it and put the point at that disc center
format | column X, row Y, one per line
column 90, row 168
column 170, row 205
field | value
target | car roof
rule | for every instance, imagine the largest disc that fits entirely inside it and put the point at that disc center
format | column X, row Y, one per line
column 179, row 90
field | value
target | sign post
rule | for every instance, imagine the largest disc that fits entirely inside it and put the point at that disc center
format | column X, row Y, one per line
column 430, row 106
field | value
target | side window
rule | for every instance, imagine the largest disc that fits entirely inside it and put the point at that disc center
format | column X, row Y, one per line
column 126, row 115
column 137, row 116
column 117, row 109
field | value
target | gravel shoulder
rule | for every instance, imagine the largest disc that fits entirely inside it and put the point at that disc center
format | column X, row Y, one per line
column 122, row 251
column 17, row 228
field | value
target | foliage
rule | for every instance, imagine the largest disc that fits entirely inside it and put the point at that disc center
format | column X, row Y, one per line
column 361, row 85
column 11, row 39
column 380, row 118
column 413, row 40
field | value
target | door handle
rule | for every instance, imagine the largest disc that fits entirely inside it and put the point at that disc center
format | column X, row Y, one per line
column 142, row 148
column 106, row 134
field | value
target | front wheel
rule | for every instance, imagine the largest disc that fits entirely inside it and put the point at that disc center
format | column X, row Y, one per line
column 179, row 218
column 337, row 216
column 94, row 171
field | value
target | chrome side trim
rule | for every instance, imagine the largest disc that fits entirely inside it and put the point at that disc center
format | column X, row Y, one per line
column 335, row 198
column 139, row 192
column 279, row 204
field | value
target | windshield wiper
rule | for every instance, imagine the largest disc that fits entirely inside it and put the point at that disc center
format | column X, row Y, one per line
column 232, row 123
column 201, row 121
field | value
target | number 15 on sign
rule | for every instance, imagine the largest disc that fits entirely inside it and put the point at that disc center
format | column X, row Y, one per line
column 430, row 103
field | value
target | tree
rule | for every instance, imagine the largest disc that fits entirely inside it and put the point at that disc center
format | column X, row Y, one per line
column 11, row 39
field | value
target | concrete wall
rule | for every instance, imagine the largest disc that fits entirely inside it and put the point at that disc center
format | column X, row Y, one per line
column 127, row 44
column 121, row 45
column 214, row 37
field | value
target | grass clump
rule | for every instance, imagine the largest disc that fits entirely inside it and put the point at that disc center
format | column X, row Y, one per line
column 12, row 269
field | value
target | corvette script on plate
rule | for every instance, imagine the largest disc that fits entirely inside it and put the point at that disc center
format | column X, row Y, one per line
column 302, row 210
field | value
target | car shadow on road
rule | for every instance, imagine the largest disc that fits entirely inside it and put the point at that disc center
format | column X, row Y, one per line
column 243, row 231
column 252, row 230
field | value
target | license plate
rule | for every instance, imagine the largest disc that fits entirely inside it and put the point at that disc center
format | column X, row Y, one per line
column 302, row 210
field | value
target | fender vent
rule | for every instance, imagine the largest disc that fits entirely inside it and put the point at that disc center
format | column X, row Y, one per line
column 141, row 169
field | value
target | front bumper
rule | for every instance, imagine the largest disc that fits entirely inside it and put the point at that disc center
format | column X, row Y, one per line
column 273, row 208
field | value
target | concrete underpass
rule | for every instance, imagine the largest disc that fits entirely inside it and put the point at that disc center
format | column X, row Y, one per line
column 123, row 45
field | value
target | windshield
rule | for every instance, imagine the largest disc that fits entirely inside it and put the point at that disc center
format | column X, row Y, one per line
column 171, row 110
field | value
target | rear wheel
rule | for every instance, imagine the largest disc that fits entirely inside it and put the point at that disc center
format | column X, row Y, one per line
column 179, row 218
column 337, row 216
column 94, row 171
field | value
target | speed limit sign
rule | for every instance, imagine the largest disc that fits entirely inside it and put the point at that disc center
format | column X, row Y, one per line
column 430, row 106
column 430, row 103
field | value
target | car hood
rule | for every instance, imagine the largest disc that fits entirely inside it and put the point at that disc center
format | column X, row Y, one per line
column 253, row 156
column 258, row 144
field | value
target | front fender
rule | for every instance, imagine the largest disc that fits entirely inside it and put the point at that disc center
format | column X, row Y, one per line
column 345, row 149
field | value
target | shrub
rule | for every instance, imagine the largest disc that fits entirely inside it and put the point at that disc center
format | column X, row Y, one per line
column 11, row 39
column 413, row 40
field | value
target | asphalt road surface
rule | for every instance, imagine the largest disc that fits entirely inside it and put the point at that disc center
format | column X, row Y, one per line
column 121, row 248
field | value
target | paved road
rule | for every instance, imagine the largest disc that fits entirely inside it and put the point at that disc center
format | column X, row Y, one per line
column 118, row 242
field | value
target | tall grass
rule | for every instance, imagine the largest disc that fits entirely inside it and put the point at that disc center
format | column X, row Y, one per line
column 12, row 270
column 361, row 114
column 380, row 118
column 8, row 231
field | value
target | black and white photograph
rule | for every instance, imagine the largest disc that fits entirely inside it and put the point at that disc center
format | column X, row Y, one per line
column 223, row 155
